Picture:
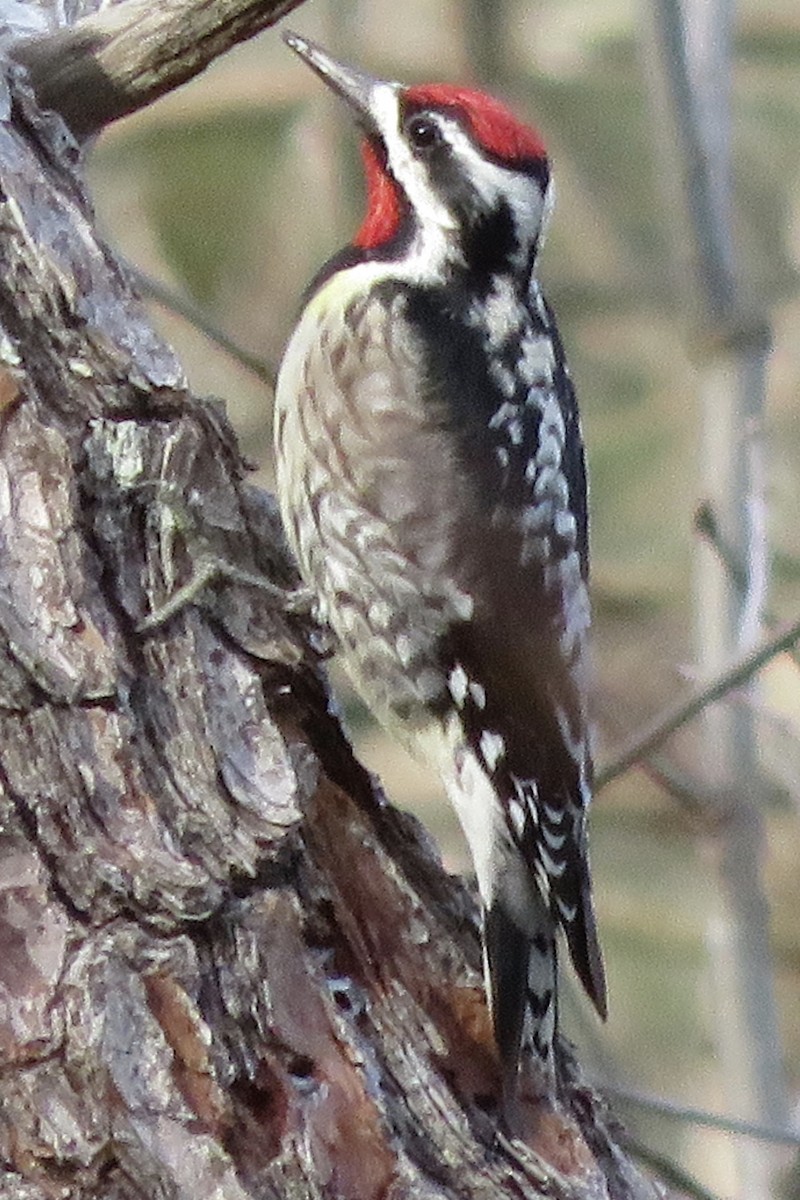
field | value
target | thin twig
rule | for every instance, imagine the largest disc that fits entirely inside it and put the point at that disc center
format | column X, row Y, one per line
column 125, row 56
column 699, row 1116
column 664, row 725
column 695, row 796
column 707, row 525
column 668, row 1170
column 190, row 312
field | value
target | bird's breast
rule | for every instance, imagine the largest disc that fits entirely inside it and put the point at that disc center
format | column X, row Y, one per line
column 370, row 489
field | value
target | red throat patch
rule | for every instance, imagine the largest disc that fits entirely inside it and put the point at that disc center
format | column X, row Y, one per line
column 493, row 126
column 384, row 204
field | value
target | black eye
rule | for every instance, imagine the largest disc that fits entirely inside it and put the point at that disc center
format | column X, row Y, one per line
column 424, row 132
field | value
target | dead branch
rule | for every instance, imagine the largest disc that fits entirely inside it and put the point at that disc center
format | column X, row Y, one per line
column 125, row 56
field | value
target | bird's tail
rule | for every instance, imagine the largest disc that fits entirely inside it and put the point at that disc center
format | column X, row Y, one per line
column 520, row 967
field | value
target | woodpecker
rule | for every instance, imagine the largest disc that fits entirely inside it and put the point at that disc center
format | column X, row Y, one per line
column 431, row 477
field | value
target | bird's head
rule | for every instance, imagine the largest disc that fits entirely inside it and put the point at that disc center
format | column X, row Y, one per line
column 450, row 171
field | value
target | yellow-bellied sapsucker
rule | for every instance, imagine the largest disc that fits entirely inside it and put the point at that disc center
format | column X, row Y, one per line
column 432, row 482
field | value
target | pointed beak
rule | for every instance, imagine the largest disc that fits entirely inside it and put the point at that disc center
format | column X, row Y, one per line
column 358, row 89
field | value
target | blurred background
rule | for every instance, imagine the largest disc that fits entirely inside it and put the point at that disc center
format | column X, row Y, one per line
column 232, row 192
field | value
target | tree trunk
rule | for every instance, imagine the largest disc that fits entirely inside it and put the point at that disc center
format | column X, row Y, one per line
column 227, row 967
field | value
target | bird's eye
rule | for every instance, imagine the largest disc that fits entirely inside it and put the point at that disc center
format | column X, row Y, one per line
column 424, row 132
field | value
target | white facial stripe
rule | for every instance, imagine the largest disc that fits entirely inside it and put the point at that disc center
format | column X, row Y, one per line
column 437, row 226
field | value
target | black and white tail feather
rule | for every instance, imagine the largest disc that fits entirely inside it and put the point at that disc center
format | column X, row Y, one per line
column 531, row 862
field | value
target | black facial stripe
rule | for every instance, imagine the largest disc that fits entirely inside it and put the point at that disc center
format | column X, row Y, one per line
column 537, row 168
column 490, row 244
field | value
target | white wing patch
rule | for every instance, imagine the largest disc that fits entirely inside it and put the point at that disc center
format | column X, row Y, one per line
column 472, row 795
column 462, row 687
column 458, row 684
column 493, row 747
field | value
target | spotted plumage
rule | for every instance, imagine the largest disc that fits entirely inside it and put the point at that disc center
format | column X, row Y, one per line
column 432, row 481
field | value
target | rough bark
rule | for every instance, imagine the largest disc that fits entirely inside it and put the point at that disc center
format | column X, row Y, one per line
column 227, row 967
column 124, row 56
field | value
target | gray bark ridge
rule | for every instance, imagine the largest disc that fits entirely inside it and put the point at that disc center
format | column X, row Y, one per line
column 227, row 967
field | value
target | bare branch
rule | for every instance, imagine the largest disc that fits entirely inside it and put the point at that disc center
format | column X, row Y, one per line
column 127, row 55
column 169, row 299
column 699, row 1116
column 652, row 736
column 670, row 1171
column 706, row 524
column 698, row 115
